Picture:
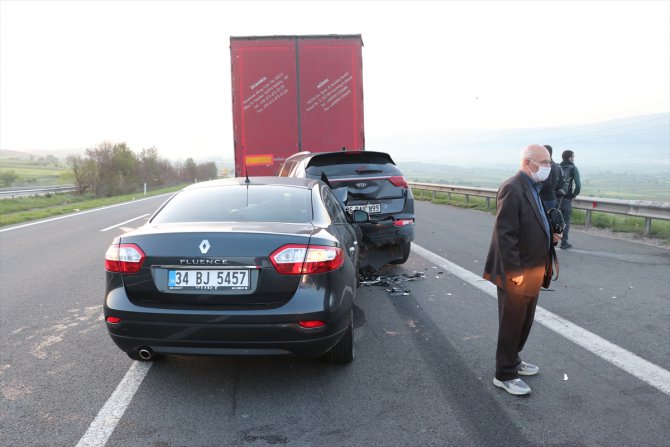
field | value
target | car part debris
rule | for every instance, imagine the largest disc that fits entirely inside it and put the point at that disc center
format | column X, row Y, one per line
column 392, row 283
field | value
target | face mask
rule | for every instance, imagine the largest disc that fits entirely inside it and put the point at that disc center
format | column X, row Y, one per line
column 542, row 174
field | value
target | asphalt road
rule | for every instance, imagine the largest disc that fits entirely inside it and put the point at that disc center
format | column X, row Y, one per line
column 423, row 368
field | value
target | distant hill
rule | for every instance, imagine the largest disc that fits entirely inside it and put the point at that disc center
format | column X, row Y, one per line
column 634, row 143
column 37, row 153
column 6, row 153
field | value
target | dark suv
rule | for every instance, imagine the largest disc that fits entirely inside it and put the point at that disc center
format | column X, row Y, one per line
column 374, row 184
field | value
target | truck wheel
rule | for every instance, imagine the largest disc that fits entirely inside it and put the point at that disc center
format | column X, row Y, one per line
column 406, row 248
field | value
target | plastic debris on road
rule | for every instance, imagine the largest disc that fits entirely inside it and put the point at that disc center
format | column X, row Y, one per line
column 565, row 377
column 392, row 283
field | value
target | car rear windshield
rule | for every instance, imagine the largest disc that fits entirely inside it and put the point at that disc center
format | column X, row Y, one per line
column 351, row 164
column 239, row 203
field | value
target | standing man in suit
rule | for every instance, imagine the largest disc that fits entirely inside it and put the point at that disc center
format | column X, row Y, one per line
column 518, row 261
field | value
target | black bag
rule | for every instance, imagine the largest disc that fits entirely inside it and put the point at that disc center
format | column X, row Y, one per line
column 549, row 271
column 556, row 220
column 568, row 182
column 557, row 224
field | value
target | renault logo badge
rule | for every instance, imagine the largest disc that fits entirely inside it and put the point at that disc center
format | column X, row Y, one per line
column 204, row 246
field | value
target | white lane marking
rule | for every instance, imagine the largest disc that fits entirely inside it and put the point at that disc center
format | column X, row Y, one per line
column 111, row 413
column 129, row 220
column 66, row 216
column 643, row 369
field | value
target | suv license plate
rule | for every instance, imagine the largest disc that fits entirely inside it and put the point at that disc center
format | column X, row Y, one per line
column 370, row 208
column 208, row 279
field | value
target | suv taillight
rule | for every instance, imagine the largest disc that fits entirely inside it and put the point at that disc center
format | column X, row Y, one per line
column 124, row 258
column 298, row 259
column 398, row 180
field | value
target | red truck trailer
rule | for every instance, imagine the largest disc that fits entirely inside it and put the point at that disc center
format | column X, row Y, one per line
column 293, row 94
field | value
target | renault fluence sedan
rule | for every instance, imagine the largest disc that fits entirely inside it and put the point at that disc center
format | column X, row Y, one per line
column 261, row 266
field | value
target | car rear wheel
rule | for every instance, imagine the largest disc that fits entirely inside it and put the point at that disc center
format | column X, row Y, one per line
column 343, row 351
column 405, row 248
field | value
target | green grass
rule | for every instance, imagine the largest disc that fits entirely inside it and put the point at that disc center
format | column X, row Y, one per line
column 623, row 224
column 613, row 185
column 614, row 222
column 23, row 209
column 33, row 174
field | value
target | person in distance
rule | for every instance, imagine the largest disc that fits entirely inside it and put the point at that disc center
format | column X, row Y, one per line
column 552, row 184
column 572, row 187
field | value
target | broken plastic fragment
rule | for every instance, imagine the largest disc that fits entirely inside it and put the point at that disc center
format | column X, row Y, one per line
column 398, row 291
column 391, row 282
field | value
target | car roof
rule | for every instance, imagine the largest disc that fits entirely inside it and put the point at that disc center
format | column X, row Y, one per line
column 256, row 181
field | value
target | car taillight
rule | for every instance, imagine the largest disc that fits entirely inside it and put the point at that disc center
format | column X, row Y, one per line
column 398, row 180
column 124, row 258
column 298, row 259
column 311, row 324
column 403, row 222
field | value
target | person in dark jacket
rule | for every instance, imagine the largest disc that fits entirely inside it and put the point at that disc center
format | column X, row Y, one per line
column 518, row 261
column 573, row 186
column 552, row 184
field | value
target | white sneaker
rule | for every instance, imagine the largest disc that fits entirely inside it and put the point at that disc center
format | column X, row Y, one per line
column 516, row 387
column 527, row 369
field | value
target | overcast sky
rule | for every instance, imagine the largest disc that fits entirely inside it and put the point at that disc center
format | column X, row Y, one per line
column 157, row 73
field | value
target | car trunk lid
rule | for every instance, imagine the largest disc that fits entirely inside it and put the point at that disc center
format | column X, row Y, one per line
column 213, row 265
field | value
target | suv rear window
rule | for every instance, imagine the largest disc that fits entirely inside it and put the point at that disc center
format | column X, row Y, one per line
column 351, row 164
column 237, row 203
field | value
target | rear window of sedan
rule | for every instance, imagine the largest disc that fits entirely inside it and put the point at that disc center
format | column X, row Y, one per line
column 235, row 203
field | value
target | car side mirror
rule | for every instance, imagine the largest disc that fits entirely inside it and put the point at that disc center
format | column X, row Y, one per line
column 359, row 216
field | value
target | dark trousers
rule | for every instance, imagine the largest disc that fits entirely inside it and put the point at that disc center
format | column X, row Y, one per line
column 515, row 317
column 566, row 210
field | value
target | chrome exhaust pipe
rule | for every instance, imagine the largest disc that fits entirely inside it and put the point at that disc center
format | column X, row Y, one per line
column 145, row 353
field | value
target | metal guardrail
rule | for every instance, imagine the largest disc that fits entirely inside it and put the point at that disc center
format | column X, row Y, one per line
column 36, row 191
column 646, row 209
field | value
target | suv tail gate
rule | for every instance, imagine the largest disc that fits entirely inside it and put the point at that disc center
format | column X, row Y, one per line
column 374, row 182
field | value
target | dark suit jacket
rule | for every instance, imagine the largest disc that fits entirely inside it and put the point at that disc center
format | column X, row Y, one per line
column 520, row 244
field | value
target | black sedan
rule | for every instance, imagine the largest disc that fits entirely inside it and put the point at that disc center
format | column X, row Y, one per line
column 266, row 266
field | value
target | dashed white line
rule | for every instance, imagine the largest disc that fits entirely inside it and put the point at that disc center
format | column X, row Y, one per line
column 125, row 222
column 643, row 369
column 111, row 413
